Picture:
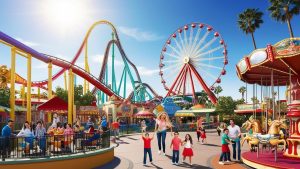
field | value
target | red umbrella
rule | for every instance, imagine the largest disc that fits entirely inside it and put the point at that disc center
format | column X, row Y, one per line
column 144, row 114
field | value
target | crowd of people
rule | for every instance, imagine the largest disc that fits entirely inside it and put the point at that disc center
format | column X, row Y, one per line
column 230, row 136
column 163, row 124
column 36, row 133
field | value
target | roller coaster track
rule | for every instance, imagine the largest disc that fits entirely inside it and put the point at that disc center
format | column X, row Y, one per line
column 65, row 65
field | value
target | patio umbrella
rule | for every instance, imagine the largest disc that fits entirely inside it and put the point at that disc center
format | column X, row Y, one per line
column 144, row 114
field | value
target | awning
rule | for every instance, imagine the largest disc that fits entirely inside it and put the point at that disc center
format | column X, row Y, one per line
column 144, row 114
column 184, row 114
column 55, row 104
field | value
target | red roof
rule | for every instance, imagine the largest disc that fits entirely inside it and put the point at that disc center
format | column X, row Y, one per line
column 54, row 104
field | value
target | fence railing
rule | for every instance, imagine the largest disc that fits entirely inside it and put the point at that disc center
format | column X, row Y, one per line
column 135, row 128
column 52, row 145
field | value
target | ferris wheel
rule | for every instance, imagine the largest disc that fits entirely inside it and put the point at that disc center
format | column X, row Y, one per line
column 193, row 59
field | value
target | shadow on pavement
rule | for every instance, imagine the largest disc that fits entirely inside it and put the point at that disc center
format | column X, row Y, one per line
column 213, row 145
column 113, row 164
column 132, row 138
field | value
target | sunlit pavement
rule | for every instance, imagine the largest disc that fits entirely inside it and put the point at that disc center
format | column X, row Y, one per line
column 129, row 153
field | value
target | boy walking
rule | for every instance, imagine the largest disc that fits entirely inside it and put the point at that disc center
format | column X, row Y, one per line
column 176, row 142
column 147, row 147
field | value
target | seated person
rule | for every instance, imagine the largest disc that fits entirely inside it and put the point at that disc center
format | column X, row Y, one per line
column 96, row 136
column 27, row 133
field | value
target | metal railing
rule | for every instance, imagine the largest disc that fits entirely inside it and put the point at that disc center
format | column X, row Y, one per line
column 52, row 145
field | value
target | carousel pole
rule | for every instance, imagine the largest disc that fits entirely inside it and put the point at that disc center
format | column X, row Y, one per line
column 267, row 104
column 279, row 104
column 290, row 79
column 256, row 100
column 273, row 96
column 261, row 98
column 253, row 100
column 246, row 93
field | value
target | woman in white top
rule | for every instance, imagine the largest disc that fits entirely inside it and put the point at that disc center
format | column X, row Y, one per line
column 27, row 133
column 162, row 124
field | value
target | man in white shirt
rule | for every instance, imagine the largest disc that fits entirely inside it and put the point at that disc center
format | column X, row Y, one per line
column 234, row 134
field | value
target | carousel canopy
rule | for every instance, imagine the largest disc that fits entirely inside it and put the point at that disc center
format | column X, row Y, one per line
column 282, row 58
column 144, row 114
column 54, row 104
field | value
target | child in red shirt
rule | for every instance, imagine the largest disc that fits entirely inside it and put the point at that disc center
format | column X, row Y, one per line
column 147, row 147
column 176, row 142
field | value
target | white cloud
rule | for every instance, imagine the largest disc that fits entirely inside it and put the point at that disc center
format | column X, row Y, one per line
column 139, row 35
column 147, row 72
column 27, row 43
column 99, row 59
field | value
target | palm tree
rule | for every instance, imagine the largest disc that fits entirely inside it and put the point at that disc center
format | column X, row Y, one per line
column 218, row 90
column 255, row 100
column 249, row 20
column 242, row 90
column 284, row 10
column 202, row 97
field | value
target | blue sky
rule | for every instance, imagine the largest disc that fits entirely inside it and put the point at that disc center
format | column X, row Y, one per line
column 143, row 28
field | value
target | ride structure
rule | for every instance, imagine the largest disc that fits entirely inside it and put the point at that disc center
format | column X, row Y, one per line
column 194, row 55
column 104, row 86
column 277, row 65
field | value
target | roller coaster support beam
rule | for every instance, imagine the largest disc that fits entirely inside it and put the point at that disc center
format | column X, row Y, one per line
column 28, row 114
column 70, row 97
column 50, row 80
column 12, row 83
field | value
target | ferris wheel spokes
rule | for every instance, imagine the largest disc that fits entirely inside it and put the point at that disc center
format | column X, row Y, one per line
column 192, row 53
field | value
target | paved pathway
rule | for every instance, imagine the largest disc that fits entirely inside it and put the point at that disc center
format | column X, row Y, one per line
column 129, row 153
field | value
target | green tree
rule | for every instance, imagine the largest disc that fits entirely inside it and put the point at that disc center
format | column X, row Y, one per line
column 78, row 94
column 226, row 106
column 254, row 100
column 87, row 99
column 61, row 93
column 4, row 97
column 284, row 10
column 242, row 90
column 249, row 21
column 218, row 90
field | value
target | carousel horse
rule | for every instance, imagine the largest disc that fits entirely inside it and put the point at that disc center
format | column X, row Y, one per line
column 274, row 136
column 256, row 128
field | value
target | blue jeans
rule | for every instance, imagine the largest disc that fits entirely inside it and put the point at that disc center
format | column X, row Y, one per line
column 175, row 157
column 225, row 156
column 238, row 145
column 147, row 150
column 161, row 138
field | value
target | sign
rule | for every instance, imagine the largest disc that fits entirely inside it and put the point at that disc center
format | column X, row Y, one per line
column 247, row 106
column 123, row 114
column 125, row 108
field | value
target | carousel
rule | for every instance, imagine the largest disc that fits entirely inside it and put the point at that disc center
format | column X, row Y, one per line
column 269, row 68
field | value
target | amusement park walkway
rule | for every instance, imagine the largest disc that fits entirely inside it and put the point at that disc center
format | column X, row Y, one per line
column 129, row 154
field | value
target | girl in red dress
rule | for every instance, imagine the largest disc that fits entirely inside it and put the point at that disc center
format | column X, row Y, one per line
column 188, row 145
column 203, row 136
